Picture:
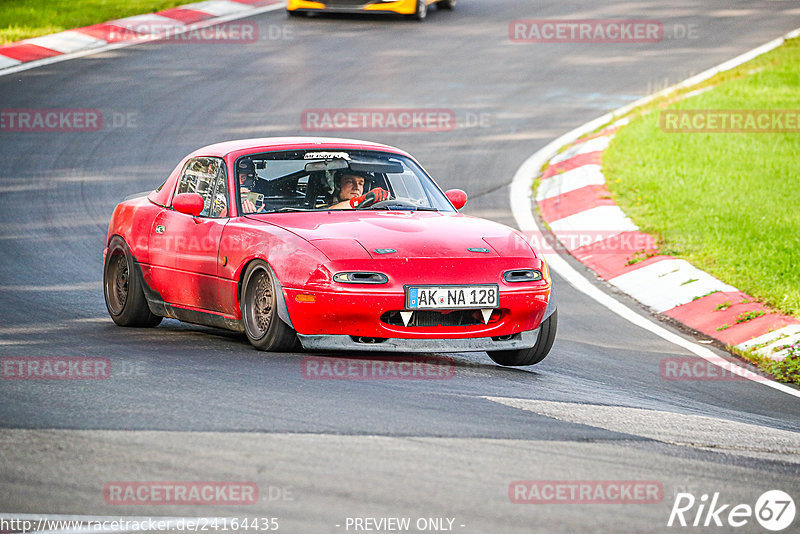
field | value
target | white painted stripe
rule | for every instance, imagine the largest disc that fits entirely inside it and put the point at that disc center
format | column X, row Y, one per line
column 19, row 66
column 788, row 335
column 520, row 194
column 685, row 429
column 565, row 182
column 591, row 226
column 668, row 283
column 592, row 145
column 146, row 18
column 779, row 355
column 149, row 24
column 77, row 286
column 696, row 92
column 6, row 62
column 66, row 42
column 770, row 336
column 219, row 7
column 622, row 122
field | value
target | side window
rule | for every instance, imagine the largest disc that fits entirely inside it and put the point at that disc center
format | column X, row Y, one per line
column 220, row 206
column 206, row 177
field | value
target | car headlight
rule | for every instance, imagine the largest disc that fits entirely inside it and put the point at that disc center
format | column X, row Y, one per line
column 361, row 278
column 522, row 275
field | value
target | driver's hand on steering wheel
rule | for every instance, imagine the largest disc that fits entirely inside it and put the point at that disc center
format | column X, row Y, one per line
column 369, row 198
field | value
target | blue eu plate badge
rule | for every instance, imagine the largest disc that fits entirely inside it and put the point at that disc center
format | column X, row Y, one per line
column 413, row 297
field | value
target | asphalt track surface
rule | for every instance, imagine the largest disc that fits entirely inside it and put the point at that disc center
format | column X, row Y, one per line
column 192, row 403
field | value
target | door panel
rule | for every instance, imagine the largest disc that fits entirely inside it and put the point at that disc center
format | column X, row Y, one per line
column 183, row 258
column 184, row 249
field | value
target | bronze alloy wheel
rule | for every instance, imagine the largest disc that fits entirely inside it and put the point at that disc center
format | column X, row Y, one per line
column 259, row 304
column 259, row 307
column 117, row 283
column 123, row 288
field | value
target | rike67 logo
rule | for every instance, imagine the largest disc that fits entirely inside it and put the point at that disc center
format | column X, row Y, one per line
column 774, row 510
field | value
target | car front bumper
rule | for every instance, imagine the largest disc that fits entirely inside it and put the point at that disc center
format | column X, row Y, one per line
column 400, row 7
column 358, row 313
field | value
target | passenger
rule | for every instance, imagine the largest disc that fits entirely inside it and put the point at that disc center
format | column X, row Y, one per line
column 349, row 191
column 246, row 174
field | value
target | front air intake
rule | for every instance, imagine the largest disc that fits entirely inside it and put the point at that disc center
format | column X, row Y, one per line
column 434, row 318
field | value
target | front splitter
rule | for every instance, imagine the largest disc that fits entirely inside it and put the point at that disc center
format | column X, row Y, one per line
column 523, row 340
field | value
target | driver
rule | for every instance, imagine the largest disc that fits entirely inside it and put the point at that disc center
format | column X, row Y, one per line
column 349, row 191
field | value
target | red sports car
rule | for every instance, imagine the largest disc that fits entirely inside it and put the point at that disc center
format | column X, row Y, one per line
column 328, row 244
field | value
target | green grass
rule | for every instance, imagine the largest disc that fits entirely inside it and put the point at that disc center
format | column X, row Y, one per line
column 21, row 19
column 727, row 203
column 786, row 370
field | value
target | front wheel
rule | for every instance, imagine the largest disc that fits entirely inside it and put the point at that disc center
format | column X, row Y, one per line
column 533, row 355
column 123, row 290
column 259, row 307
column 421, row 12
column 446, row 4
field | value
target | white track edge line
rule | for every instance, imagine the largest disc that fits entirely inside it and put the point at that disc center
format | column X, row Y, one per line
column 520, row 196
column 133, row 42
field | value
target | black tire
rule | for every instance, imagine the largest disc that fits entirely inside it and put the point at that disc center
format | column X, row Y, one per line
column 421, row 12
column 535, row 354
column 446, row 4
column 122, row 288
column 296, row 13
column 258, row 304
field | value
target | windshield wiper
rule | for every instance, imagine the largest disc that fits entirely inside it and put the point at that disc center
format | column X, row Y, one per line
column 405, row 208
column 278, row 211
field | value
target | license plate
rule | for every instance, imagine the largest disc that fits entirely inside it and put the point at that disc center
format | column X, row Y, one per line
column 452, row 297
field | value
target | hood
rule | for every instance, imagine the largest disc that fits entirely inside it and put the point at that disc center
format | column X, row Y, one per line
column 416, row 234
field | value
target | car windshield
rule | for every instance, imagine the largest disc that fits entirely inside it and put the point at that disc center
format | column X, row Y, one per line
column 314, row 180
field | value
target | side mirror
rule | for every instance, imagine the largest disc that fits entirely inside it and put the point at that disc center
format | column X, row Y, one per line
column 457, row 197
column 188, row 203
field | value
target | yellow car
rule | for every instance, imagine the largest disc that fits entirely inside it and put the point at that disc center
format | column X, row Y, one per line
column 417, row 9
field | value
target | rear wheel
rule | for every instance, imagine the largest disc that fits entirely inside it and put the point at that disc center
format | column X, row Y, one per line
column 259, row 307
column 123, row 288
column 446, row 4
column 533, row 355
